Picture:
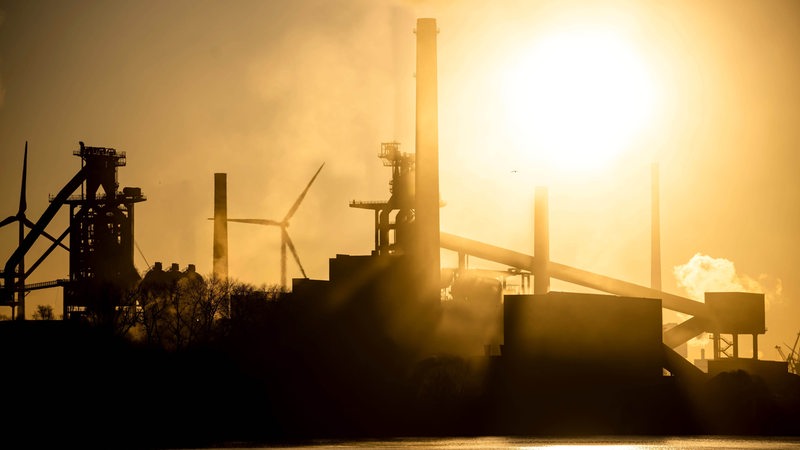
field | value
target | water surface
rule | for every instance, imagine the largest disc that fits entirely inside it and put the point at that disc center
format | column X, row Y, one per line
column 595, row 443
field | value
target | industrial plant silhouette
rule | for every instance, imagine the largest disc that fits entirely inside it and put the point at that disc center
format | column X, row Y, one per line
column 391, row 344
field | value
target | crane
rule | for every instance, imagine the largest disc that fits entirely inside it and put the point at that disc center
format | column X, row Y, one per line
column 792, row 358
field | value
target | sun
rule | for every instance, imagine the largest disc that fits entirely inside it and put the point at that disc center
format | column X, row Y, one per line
column 577, row 99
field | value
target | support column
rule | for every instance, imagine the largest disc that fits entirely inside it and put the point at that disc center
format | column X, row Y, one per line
column 755, row 346
column 377, row 232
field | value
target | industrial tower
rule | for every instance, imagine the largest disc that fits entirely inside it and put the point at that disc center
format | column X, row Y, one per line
column 101, row 235
column 101, row 265
column 393, row 217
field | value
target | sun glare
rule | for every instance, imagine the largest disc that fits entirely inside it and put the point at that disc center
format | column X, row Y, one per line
column 577, row 99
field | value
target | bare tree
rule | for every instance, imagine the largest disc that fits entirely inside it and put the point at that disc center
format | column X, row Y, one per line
column 119, row 312
column 183, row 309
column 250, row 305
column 44, row 312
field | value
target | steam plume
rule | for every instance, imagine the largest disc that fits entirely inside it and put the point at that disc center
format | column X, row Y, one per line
column 704, row 273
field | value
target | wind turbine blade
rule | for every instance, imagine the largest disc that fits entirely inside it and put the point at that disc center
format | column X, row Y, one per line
column 302, row 195
column 23, row 205
column 30, row 225
column 288, row 241
column 8, row 220
column 256, row 221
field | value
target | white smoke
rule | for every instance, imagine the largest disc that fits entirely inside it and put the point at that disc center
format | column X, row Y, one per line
column 704, row 273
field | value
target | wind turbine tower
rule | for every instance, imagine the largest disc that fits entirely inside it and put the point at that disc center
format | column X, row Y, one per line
column 22, row 220
column 286, row 241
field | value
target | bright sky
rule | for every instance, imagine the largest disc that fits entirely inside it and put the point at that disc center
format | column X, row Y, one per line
column 580, row 97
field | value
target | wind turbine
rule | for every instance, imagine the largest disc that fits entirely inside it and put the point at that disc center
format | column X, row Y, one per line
column 23, row 222
column 286, row 241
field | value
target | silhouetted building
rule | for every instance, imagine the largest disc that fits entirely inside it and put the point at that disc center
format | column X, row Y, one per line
column 590, row 336
column 101, row 219
column 158, row 281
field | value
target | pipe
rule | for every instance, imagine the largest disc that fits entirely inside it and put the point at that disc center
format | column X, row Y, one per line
column 572, row 275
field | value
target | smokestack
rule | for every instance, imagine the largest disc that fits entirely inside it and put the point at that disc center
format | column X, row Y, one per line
column 655, row 239
column 541, row 242
column 426, row 214
column 220, row 226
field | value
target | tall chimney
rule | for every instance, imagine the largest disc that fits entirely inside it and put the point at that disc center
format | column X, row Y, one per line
column 426, row 214
column 541, row 242
column 220, row 226
column 655, row 237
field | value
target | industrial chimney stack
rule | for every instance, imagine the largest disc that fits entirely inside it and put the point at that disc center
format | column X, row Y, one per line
column 220, row 226
column 655, row 234
column 541, row 242
column 427, row 248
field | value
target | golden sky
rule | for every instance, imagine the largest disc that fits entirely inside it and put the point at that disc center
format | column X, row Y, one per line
column 266, row 91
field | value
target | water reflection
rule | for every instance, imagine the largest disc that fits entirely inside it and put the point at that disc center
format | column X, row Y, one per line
column 595, row 443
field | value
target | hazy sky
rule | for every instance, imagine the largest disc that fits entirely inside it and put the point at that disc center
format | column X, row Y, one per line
column 266, row 91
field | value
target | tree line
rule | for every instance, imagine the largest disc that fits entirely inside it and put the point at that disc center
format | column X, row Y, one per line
column 170, row 309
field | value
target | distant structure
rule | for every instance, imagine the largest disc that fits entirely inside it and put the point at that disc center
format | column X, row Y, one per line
column 426, row 249
column 101, row 225
column 541, row 242
column 286, row 241
column 22, row 222
column 220, row 245
column 655, row 234
column 158, row 281
column 793, row 358
column 394, row 217
column 101, row 235
column 408, row 223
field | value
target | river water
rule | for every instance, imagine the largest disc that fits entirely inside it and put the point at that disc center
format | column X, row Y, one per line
column 596, row 443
